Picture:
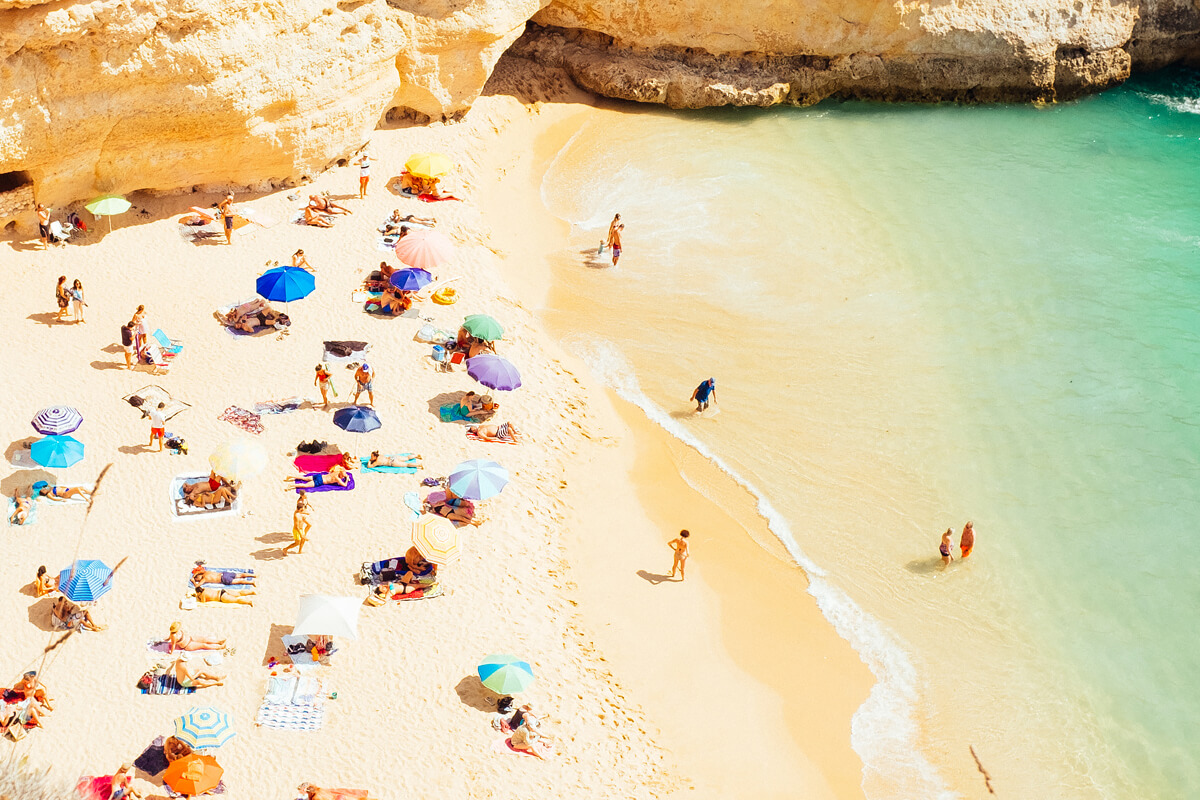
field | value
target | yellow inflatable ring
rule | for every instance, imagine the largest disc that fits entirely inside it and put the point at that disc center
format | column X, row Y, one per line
column 445, row 296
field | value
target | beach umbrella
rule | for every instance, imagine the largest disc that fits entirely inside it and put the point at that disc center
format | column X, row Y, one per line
column 108, row 205
column 481, row 326
column 193, row 775
column 437, row 539
column 85, row 580
column 505, row 674
column 285, row 284
column 411, row 279
column 321, row 615
column 494, row 372
column 478, row 479
column 57, row 451
column 204, row 727
column 57, row 420
column 238, row 459
column 425, row 249
column 428, row 165
column 357, row 419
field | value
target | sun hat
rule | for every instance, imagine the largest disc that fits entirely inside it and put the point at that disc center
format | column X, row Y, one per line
column 37, row 487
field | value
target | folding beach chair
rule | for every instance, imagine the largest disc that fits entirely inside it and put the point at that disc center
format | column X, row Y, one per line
column 170, row 347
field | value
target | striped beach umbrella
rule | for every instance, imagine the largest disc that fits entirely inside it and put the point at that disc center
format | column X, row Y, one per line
column 57, row 451
column 494, row 372
column 204, row 727
column 505, row 674
column 437, row 539
column 85, row 580
column 478, row 479
column 57, row 420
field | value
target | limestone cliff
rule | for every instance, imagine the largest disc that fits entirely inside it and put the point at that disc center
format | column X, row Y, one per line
column 122, row 95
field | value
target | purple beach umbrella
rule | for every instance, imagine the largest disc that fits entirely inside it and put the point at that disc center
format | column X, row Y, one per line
column 494, row 372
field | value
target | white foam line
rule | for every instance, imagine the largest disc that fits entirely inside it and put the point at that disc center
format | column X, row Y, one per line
column 884, row 729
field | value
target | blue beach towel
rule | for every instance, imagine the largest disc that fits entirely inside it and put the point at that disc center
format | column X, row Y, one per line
column 394, row 470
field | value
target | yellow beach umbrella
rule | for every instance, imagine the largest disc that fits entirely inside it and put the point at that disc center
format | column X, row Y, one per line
column 428, row 165
column 238, row 459
column 437, row 539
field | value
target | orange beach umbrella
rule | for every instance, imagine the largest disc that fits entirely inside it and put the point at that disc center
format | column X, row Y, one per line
column 193, row 775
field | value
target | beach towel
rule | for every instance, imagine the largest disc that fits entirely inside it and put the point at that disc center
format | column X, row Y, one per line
column 413, row 501
column 298, row 218
column 393, row 470
column 182, row 510
column 148, row 397
column 439, row 497
column 326, row 487
column 299, row 648
column 64, row 501
column 12, row 509
column 316, row 463
column 343, row 352
column 372, row 306
column 428, row 198
column 503, row 436
column 292, row 703
column 246, row 420
column 452, row 412
column 158, row 647
column 98, row 787
column 504, row 745
column 425, row 593
column 153, row 760
column 279, row 406
column 166, row 684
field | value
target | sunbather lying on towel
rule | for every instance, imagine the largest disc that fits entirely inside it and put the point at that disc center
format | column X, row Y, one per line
column 314, row 218
column 407, row 460
column 69, row 615
column 337, row 475
column 22, row 508
column 419, row 573
column 210, row 484
column 455, row 509
column 25, row 717
column 225, row 494
column 393, row 223
column 239, row 596
column 44, row 489
column 178, row 640
column 314, row 793
column 28, row 688
column 197, row 678
column 201, row 576
column 323, row 204
column 504, row 432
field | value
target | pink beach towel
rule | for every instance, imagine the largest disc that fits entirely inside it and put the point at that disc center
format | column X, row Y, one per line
column 428, row 198
column 317, row 463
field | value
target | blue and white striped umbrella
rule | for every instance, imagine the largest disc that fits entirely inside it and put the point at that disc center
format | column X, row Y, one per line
column 57, row 420
column 478, row 479
column 85, row 580
column 204, row 727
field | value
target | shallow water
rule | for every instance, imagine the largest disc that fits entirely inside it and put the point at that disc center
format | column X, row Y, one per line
column 919, row 315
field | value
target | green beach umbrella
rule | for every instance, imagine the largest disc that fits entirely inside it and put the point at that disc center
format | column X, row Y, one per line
column 107, row 205
column 505, row 674
column 481, row 326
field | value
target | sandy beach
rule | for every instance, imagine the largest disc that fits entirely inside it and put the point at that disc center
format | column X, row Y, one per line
column 710, row 687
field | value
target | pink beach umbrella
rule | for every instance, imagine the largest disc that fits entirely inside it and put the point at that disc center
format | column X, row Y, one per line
column 425, row 249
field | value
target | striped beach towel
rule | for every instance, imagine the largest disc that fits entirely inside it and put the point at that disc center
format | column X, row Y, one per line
column 166, row 684
column 504, row 435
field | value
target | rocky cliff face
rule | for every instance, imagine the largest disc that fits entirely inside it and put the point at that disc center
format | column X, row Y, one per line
column 122, row 95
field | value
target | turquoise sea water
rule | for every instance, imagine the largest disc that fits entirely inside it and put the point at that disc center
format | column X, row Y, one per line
column 919, row 315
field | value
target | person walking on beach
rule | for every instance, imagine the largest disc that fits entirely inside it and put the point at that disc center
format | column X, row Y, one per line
column 323, row 382
column 77, row 304
column 62, row 296
column 364, row 175
column 158, row 426
column 43, row 215
column 945, row 546
column 226, row 209
column 612, row 226
column 703, row 392
column 614, row 241
column 680, row 546
column 967, row 542
column 301, row 525
column 364, row 380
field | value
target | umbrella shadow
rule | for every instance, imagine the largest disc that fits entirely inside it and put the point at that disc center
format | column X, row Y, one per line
column 654, row 577
column 473, row 693
column 39, row 614
column 443, row 399
column 18, row 453
column 23, row 481
column 275, row 648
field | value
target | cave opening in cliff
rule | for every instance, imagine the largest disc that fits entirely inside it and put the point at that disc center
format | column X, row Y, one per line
column 14, row 180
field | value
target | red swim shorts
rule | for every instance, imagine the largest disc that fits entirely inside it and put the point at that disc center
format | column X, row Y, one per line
column 157, row 432
column 966, row 551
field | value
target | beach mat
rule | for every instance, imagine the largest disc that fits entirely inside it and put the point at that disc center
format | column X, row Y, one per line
column 316, row 462
column 343, row 352
column 243, row 418
column 330, row 488
column 153, row 760
column 62, row 502
column 166, row 684
column 285, row 406
column 413, row 501
column 292, row 703
column 12, row 509
column 181, row 510
column 148, row 398
column 477, row 438
column 387, row 469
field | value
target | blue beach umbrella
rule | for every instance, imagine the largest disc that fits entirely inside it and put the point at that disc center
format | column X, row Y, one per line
column 57, row 420
column 57, row 451
column 411, row 279
column 285, row 284
column 357, row 419
column 204, row 727
column 85, row 580
column 494, row 372
column 505, row 674
column 478, row 479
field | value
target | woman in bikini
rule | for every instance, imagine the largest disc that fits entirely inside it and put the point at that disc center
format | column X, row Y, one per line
column 194, row 680
column 44, row 489
column 323, row 203
column 405, row 460
column 300, row 262
column 201, row 576
column 178, row 640
column 71, row 615
column 322, row 383
column 45, row 583
column 240, row 596
column 29, row 687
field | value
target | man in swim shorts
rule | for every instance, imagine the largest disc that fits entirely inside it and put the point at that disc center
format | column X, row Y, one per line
column 226, row 209
column 703, row 392
column 614, row 241
column 158, row 426
column 364, row 379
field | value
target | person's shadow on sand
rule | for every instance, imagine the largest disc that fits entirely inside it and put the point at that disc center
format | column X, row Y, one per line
column 271, row 553
column 654, row 577
column 924, row 566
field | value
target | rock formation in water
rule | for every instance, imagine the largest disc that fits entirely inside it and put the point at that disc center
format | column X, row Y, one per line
column 122, row 95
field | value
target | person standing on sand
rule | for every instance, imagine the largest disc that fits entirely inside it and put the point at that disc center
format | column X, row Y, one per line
column 127, row 343
column 44, row 224
column 945, row 546
column 301, row 525
column 706, row 390
column 77, row 304
column 158, row 426
column 226, row 209
column 680, row 546
column 364, row 175
column 364, row 380
column 62, row 296
column 967, row 542
column 614, row 241
column 608, row 240
column 323, row 382
column 139, row 331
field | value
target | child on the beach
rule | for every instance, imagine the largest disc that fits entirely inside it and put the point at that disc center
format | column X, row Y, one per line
column 680, row 546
